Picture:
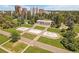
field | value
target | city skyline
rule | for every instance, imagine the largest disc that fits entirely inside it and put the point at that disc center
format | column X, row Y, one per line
column 45, row 7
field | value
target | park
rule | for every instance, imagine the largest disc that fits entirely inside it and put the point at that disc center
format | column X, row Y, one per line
column 56, row 32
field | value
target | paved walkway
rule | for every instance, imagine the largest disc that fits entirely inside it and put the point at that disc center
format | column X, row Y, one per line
column 34, row 42
column 36, row 38
column 5, row 42
column 38, row 44
column 44, row 46
column 25, row 48
column 8, row 35
column 5, row 49
column 4, row 33
column 28, row 29
column 77, row 35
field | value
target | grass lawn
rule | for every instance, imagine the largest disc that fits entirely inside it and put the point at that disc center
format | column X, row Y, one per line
column 3, row 39
column 14, row 21
column 54, row 30
column 35, row 50
column 29, row 35
column 40, row 27
column 27, row 25
column 2, row 51
column 53, row 42
column 15, row 47
column 11, row 30
column 76, row 28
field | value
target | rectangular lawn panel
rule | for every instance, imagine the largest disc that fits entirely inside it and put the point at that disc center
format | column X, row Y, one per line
column 15, row 21
column 2, row 51
column 27, row 25
column 3, row 39
column 40, row 27
column 12, row 30
column 35, row 50
column 52, row 42
column 54, row 30
column 29, row 35
column 76, row 28
column 15, row 47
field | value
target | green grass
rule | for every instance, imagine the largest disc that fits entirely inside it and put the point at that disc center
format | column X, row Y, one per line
column 2, row 51
column 3, row 39
column 54, row 30
column 76, row 28
column 35, row 50
column 29, row 35
column 27, row 25
column 14, row 21
column 40, row 27
column 53, row 42
column 11, row 30
column 15, row 47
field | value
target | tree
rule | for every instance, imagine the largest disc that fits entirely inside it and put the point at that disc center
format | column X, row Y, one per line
column 6, row 22
column 9, row 18
column 15, row 36
column 52, row 23
column 49, row 16
column 29, row 15
column 69, row 40
column 57, row 21
column 77, row 19
column 32, row 21
column 70, row 23
column 36, row 17
column 20, row 20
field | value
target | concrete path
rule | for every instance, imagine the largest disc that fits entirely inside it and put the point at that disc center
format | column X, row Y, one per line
column 5, row 49
column 8, row 35
column 34, row 26
column 28, row 29
column 38, row 44
column 25, row 48
column 5, row 42
column 44, row 46
column 37, row 37
column 5, row 33
column 77, row 35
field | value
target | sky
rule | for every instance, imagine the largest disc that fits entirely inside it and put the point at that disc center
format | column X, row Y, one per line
column 46, row 7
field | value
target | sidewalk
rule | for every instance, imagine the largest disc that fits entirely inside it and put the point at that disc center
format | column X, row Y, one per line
column 44, row 46
column 38, row 44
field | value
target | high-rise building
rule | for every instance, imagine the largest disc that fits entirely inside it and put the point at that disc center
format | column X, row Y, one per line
column 37, row 10
column 41, row 11
column 18, row 9
column 24, row 12
column 34, row 10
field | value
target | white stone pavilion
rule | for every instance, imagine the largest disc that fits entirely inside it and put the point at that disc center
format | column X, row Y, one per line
column 44, row 22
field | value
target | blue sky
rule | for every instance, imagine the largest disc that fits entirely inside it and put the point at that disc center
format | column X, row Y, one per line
column 46, row 7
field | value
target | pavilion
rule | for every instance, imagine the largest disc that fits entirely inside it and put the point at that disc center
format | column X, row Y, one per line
column 44, row 22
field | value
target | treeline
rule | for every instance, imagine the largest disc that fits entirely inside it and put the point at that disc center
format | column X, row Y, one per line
column 6, row 21
column 57, row 18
